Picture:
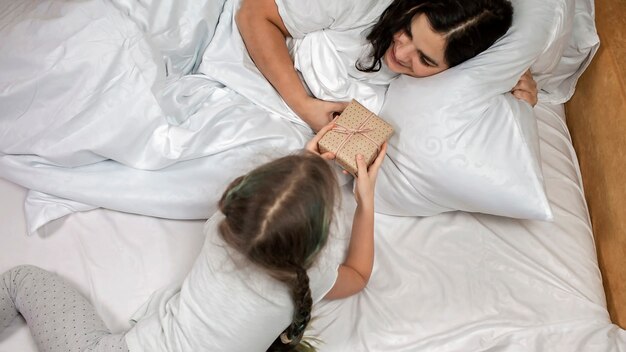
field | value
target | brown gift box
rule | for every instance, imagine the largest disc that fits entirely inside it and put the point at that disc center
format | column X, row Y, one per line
column 357, row 131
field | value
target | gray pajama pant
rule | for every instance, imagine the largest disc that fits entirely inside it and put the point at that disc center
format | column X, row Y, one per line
column 59, row 318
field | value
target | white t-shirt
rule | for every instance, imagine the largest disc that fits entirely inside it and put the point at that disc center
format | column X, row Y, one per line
column 228, row 304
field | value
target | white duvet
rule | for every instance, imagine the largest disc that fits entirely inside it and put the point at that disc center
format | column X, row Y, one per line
column 89, row 101
column 100, row 106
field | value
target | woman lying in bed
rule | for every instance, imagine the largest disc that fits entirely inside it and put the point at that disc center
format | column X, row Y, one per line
column 419, row 38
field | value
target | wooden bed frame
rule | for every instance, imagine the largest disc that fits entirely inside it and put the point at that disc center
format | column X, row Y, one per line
column 596, row 117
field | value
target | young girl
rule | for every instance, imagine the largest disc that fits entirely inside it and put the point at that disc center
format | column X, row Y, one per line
column 253, row 284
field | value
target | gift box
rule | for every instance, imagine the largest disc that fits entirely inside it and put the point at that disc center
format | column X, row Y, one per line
column 357, row 131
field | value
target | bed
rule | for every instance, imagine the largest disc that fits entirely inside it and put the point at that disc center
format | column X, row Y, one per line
column 456, row 281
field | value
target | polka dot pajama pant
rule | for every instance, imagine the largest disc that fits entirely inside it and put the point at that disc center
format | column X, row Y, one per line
column 59, row 318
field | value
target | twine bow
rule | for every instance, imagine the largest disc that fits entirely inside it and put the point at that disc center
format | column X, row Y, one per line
column 350, row 132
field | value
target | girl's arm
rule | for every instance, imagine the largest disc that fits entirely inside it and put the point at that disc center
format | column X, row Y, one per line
column 355, row 272
column 263, row 32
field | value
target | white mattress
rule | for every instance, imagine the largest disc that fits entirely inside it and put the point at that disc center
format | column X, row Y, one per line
column 452, row 282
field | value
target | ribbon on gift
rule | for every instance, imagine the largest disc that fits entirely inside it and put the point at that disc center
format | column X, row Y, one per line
column 350, row 132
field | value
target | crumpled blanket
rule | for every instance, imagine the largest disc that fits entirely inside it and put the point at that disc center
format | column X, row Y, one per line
column 117, row 105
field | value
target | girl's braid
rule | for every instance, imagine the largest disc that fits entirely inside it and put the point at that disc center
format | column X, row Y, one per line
column 301, row 292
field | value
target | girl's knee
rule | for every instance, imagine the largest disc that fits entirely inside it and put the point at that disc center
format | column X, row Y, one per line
column 19, row 273
column 27, row 269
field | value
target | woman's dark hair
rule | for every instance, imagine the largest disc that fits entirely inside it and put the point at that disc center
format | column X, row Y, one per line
column 469, row 26
column 278, row 216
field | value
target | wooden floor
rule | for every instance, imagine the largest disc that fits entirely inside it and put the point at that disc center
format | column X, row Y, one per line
column 597, row 121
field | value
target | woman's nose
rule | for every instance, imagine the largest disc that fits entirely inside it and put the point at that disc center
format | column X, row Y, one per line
column 405, row 52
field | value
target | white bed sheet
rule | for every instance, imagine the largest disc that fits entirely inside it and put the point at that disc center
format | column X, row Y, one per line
column 452, row 282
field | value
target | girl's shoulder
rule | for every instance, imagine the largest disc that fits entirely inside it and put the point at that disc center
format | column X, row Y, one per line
column 220, row 269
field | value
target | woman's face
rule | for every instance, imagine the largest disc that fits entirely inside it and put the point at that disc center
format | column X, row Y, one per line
column 419, row 53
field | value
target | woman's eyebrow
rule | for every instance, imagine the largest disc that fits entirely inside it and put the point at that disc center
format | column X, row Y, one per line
column 431, row 61
column 427, row 58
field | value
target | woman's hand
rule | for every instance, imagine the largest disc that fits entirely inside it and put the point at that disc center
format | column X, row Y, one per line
column 366, row 178
column 318, row 113
column 526, row 89
column 312, row 144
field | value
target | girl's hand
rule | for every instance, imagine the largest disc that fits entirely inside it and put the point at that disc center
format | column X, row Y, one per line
column 366, row 178
column 312, row 144
column 318, row 113
column 526, row 89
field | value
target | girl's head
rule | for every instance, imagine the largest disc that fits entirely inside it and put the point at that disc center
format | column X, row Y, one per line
column 278, row 216
column 420, row 38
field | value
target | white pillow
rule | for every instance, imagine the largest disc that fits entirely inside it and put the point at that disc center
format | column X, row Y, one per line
column 485, row 159
column 581, row 47
column 463, row 142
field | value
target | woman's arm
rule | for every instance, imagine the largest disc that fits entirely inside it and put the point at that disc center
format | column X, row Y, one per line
column 355, row 272
column 264, row 34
